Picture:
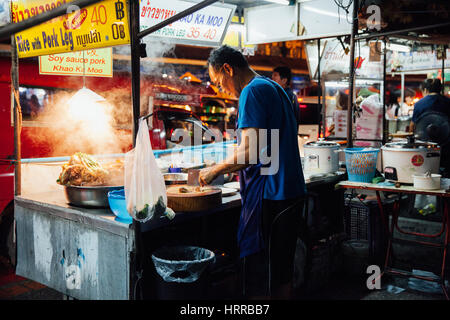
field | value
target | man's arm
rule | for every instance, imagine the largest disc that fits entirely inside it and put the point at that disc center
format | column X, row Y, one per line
column 412, row 126
column 240, row 159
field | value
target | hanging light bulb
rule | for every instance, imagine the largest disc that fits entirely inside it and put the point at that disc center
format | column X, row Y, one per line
column 85, row 94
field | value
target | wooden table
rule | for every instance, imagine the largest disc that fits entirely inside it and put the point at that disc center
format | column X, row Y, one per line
column 405, row 189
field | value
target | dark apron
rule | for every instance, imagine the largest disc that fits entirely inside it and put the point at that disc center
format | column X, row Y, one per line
column 250, row 236
column 250, row 232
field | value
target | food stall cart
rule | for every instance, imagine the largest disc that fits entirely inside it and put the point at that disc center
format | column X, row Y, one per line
column 83, row 252
column 86, row 253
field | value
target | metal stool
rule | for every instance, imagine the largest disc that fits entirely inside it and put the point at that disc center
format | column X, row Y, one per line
column 277, row 217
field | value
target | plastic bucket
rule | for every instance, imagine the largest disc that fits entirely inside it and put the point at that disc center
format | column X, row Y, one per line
column 180, row 271
column 361, row 164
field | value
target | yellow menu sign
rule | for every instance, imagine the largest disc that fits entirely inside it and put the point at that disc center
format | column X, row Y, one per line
column 103, row 24
column 93, row 62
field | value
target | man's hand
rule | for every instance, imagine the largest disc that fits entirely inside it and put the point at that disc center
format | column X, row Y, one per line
column 207, row 175
column 238, row 161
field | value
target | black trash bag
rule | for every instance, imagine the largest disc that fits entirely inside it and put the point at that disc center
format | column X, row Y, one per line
column 182, row 264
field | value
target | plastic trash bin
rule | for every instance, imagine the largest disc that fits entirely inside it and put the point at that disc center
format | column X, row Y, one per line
column 180, row 270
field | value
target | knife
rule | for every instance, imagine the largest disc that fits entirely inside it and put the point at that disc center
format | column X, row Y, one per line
column 193, row 175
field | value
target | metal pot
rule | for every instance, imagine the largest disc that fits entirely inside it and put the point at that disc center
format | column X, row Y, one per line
column 175, row 178
column 404, row 159
column 321, row 156
column 89, row 196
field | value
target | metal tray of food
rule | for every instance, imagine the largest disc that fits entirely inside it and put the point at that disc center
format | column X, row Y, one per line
column 89, row 196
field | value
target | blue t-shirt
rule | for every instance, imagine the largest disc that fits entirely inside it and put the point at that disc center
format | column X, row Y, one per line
column 432, row 102
column 264, row 104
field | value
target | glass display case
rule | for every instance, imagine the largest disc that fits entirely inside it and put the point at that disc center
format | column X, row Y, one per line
column 331, row 71
column 368, row 123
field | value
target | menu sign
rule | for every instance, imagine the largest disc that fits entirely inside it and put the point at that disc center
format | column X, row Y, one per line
column 334, row 60
column 203, row 27
column 94, row 62
column 103, row 24
column 414, row 60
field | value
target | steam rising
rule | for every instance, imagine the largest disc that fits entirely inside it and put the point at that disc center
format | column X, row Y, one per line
column 81, row 123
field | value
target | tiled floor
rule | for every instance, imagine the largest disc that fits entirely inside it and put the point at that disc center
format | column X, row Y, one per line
column 13, row 287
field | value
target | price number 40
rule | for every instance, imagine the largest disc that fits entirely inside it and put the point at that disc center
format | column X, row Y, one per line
column 195, row 33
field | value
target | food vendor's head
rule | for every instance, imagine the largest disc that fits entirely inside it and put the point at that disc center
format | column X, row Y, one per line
column 228, row 69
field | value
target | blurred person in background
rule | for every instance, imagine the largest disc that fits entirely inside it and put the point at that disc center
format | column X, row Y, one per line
column 433, row 100
column 282, row 75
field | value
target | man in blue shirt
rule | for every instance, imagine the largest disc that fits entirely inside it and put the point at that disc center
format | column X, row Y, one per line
column 270, row 174
column 434, row 101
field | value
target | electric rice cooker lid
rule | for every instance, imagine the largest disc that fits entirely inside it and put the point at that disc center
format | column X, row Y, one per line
column 408, row 145
column 321, row 144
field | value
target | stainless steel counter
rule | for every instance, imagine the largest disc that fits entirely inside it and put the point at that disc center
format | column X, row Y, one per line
column 83, row 252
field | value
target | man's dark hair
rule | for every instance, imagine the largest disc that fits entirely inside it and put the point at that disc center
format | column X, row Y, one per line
column 226, row 54
column 432, row 85
column 284, row 72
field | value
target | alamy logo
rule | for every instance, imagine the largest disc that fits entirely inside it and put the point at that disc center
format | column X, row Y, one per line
column 263, row 145
column 374, row 20
column 374, row 280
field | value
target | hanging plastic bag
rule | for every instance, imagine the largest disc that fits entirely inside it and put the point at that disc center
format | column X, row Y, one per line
column 145, row 189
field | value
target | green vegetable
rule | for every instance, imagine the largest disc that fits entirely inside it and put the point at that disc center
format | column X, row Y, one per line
column 158, row 209
column 378, row 180
column 143, row 213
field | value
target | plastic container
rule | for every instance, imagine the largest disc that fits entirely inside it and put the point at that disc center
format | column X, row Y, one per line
column 118, row 206
column 174, row 170
column 180, row 269
column 427, row 182
column 361, row 164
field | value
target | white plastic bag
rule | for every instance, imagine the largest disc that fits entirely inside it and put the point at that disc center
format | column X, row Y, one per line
column 145, row 189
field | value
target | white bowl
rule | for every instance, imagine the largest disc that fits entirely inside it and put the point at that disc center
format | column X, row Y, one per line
column 424, row 182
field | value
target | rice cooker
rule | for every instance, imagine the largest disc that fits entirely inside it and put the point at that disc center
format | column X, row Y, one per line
column 321, row 157
column 403, row 159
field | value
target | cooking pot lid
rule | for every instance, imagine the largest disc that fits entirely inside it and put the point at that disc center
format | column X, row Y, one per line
column 410, row 145
column 322, row 143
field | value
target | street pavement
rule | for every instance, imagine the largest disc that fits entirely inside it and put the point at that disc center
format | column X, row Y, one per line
column 339, row 287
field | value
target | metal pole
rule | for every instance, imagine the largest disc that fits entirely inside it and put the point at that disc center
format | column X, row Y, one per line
column 12, row 28
column 176, row 17
column 239, row 34
column 137, row 262
column 390, row 33
column 443, row 70
column 352, row 75
column 17, row 118
column 402, row 93
column 319, row 94
column 385, row 124
column 135, row 66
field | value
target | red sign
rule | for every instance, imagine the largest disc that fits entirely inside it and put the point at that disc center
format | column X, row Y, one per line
column 417, row 160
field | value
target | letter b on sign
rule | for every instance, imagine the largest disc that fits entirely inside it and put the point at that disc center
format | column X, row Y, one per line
column 374, row 281
column 120, row 13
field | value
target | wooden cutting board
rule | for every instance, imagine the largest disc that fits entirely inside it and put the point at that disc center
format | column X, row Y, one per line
column 194, row 200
